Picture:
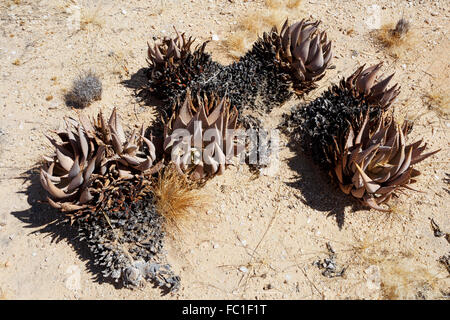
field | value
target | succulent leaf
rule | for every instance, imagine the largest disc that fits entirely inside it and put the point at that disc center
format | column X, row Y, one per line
column 92, row 152
column 208, row 123
column 317, row 124
column 370, row 175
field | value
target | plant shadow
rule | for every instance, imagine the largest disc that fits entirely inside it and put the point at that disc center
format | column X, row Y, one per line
column 317, row 189
column 447, row 181
column 51, row 222
column 139, row 82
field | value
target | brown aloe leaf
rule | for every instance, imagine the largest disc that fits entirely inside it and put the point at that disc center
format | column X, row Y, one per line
column 376, row 162
column 214, row 119
column 92, row 154
column 302, row 51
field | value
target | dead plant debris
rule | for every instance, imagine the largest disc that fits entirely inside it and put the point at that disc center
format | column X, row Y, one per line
column 328, row 265
column 438, row 232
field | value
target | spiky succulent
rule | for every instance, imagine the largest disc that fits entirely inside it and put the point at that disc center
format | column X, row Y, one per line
column 318, row 123
column 198, row 137
column 347, row 132
column 373, row 162
column 300, row 50
column 100, row 177
column 277, row 65
column 91, row 156
column 173, row 65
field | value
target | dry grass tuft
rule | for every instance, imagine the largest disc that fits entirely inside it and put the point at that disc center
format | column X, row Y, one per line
column 438, row 100
column 180, row 202
column 273, row 4
column 401, row 276
column 251, row 23
column 398, row 213
column 369, row 251
column 273, row 18
column 397, row 39
column 250, row 27
column 293, row 4
column 91, row 16
column 237, row 43
column 405, row 279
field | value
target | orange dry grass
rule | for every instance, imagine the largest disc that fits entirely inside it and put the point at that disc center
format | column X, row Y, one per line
column 293, row 4
column 397, row 44
column 252, row 25
column 249, row 28
column 178, row 200
column 237, row 43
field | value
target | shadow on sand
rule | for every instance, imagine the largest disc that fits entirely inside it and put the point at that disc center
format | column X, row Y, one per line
column 50, row 222
column 138, row 81
column 317, row 189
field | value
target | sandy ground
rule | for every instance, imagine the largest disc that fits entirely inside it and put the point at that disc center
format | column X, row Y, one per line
column 260, row 237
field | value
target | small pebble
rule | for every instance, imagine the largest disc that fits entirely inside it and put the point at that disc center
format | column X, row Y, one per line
column 268, row 286
column 215, row 37
column 243, row 269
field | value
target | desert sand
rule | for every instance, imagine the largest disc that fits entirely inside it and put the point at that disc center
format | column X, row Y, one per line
column 261, row 235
